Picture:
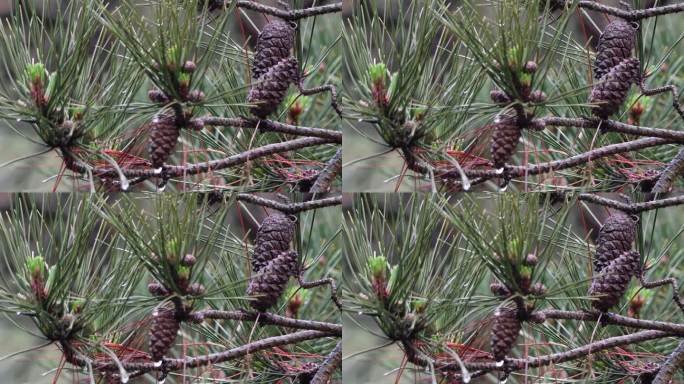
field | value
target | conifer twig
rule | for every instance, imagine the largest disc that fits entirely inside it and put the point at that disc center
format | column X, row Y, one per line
column 329, row 366
column 270, row 126
column 632, row 208
column 673, row 363
column 292, row 15
column 266, row 318
column 290, row 208
column 332, row 168
column 630, row 15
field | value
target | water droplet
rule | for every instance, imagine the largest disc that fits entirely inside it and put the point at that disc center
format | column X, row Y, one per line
column 162, row 381
column 125, row 184
column 504, row 188
column 360, row 313
column 499, row 363
column 360, row 120
column 466, row 378
column 18, row 313
column 158, row 170
column 18, row 119
column 158, row 364
column 504, row 381
column 499, row 171
column 466, row 184
column 124, row 379
column 155, row 120
column 162, row 188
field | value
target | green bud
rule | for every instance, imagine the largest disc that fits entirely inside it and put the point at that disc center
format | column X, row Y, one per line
column 512, row 57
column 525, row 80
column 378, row 73
column 378, row 266
column 183, row 273
column 513, row 249
column 35, row 73
column 36, row 267
column 418, row 305
column 525, row 273
column 184, row 79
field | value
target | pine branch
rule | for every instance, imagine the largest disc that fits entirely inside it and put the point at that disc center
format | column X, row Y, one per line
column 197, row 168
column 673, row 363
column 325, row 178
column 612, row 126
column 329, row 366
column 292, row 15
column 633, row 208
column 197, row 361
column 673, row 170
column 572, row 354
column 613, row 318
column 290, row 208
column 630, row 15
column 266, row 318
column 270, row 126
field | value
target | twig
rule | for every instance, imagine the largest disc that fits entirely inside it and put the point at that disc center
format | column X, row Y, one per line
column 323, row 88
column 213, row 165
column 672, row 171
column 572, row 354
column 318, row 283
column 270, row 126
column 612, row 126
column 288, row 15
column 674, row 362
column 633, row 208
column 665, row 88
column 266, row 318
column 327, row 175
column 290, row 208
column 615, row 319
column 631, row 15
column 204, row 360
column 658, row 283
column 329, row 365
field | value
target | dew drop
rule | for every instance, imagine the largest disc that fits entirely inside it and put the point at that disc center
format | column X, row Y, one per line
column 499, row 363
column 504, row 188
column 499, row 171
column 158, row 170
column 162, row 381
column 158, row 364
column 465, row 184
column 18, row 119
column 124, row 379
column 161, row 189
column 18, row 313
column 360, row 120
column 504, row 381
column 360, row 313
column 155, row 120
column 466, row 378
column 125, row 185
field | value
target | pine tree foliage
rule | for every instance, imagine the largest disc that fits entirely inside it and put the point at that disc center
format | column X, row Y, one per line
column 580, row 122
column 520, row 290
column 144, row 94
column 150, row 286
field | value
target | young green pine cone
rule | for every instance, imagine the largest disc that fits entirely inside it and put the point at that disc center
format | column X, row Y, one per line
column 504, row 332
column 268, row 92
column 612, row 283
column 163, row 137
column 504, row 141
column 268, row 285
column 610, row 92
column 614, row 239
column 274, row 44
column 272, row 239
column 163, row 332
column 615, row 45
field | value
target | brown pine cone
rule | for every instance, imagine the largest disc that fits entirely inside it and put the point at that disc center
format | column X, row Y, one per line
column 272, row 239
column 504, row 332
column 274, row 44
column 612, row 283
column 268, row 285
column 269, row 91
column 504, row 141
column 610, row 92
column 163, row 332
column 163, row 137
column 614, row 239
column 615, row 45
